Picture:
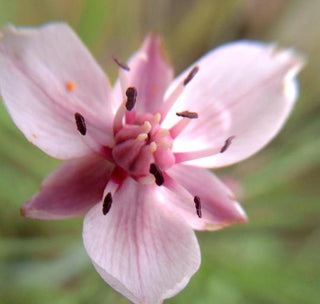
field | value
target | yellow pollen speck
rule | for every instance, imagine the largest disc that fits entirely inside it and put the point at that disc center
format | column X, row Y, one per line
column 153, row 147
column 142, row 136
column 70, row 86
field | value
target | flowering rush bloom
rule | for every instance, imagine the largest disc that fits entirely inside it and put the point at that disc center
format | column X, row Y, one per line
column 136, row 154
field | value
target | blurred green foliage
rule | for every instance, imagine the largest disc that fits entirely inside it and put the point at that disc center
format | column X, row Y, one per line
column 273, row 259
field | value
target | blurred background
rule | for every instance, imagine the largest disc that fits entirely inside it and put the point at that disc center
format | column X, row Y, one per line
column 275, row 258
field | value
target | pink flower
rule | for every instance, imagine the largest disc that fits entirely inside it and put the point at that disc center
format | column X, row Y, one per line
column 135, row 154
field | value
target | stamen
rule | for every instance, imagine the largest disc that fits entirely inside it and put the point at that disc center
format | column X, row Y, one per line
column 70, row 86
column 176, row 92
column 118, row 118
column 155, row 171
column 187, row 114
column 81, row 123
column 131, row 94
column 179, row 127
column 121, row 64
column 190, row 76
column 227, row 144
column 197, row 203
column 171, row 99
column 191, row 155
column 107, row 202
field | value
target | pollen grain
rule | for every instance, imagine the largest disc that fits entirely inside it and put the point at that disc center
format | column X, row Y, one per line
column 70, row 86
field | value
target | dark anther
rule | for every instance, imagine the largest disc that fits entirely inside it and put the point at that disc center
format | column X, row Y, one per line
column 121, row 64
column 131, row 94
column 190, row 76
column 81, row 123
column 155, row 171
column 187, row 114
column 227, row 144
column 107, row 202
column 198, row 205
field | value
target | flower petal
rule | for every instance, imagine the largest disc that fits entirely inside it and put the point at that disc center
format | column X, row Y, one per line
column 140, row 248
column 243, row 89
column 218, row 206
column 71, row 190
column 150, row 73
column 46, row 76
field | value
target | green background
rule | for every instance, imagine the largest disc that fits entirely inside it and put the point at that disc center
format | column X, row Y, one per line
column 275, row 258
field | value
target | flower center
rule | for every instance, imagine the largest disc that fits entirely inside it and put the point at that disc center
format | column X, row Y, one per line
column 142, row 145
column 142, row 149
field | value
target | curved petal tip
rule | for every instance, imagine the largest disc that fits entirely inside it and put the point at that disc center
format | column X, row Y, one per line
column 155, row 41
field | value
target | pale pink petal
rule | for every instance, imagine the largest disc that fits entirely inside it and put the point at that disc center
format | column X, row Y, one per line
column 150, row 73
column 71, row 190
column 141, row 248
column 244, row 89
column 234, row 184
column 218, row 205
column 47, row 75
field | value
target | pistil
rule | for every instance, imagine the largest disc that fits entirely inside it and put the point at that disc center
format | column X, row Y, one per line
column 153, row 147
